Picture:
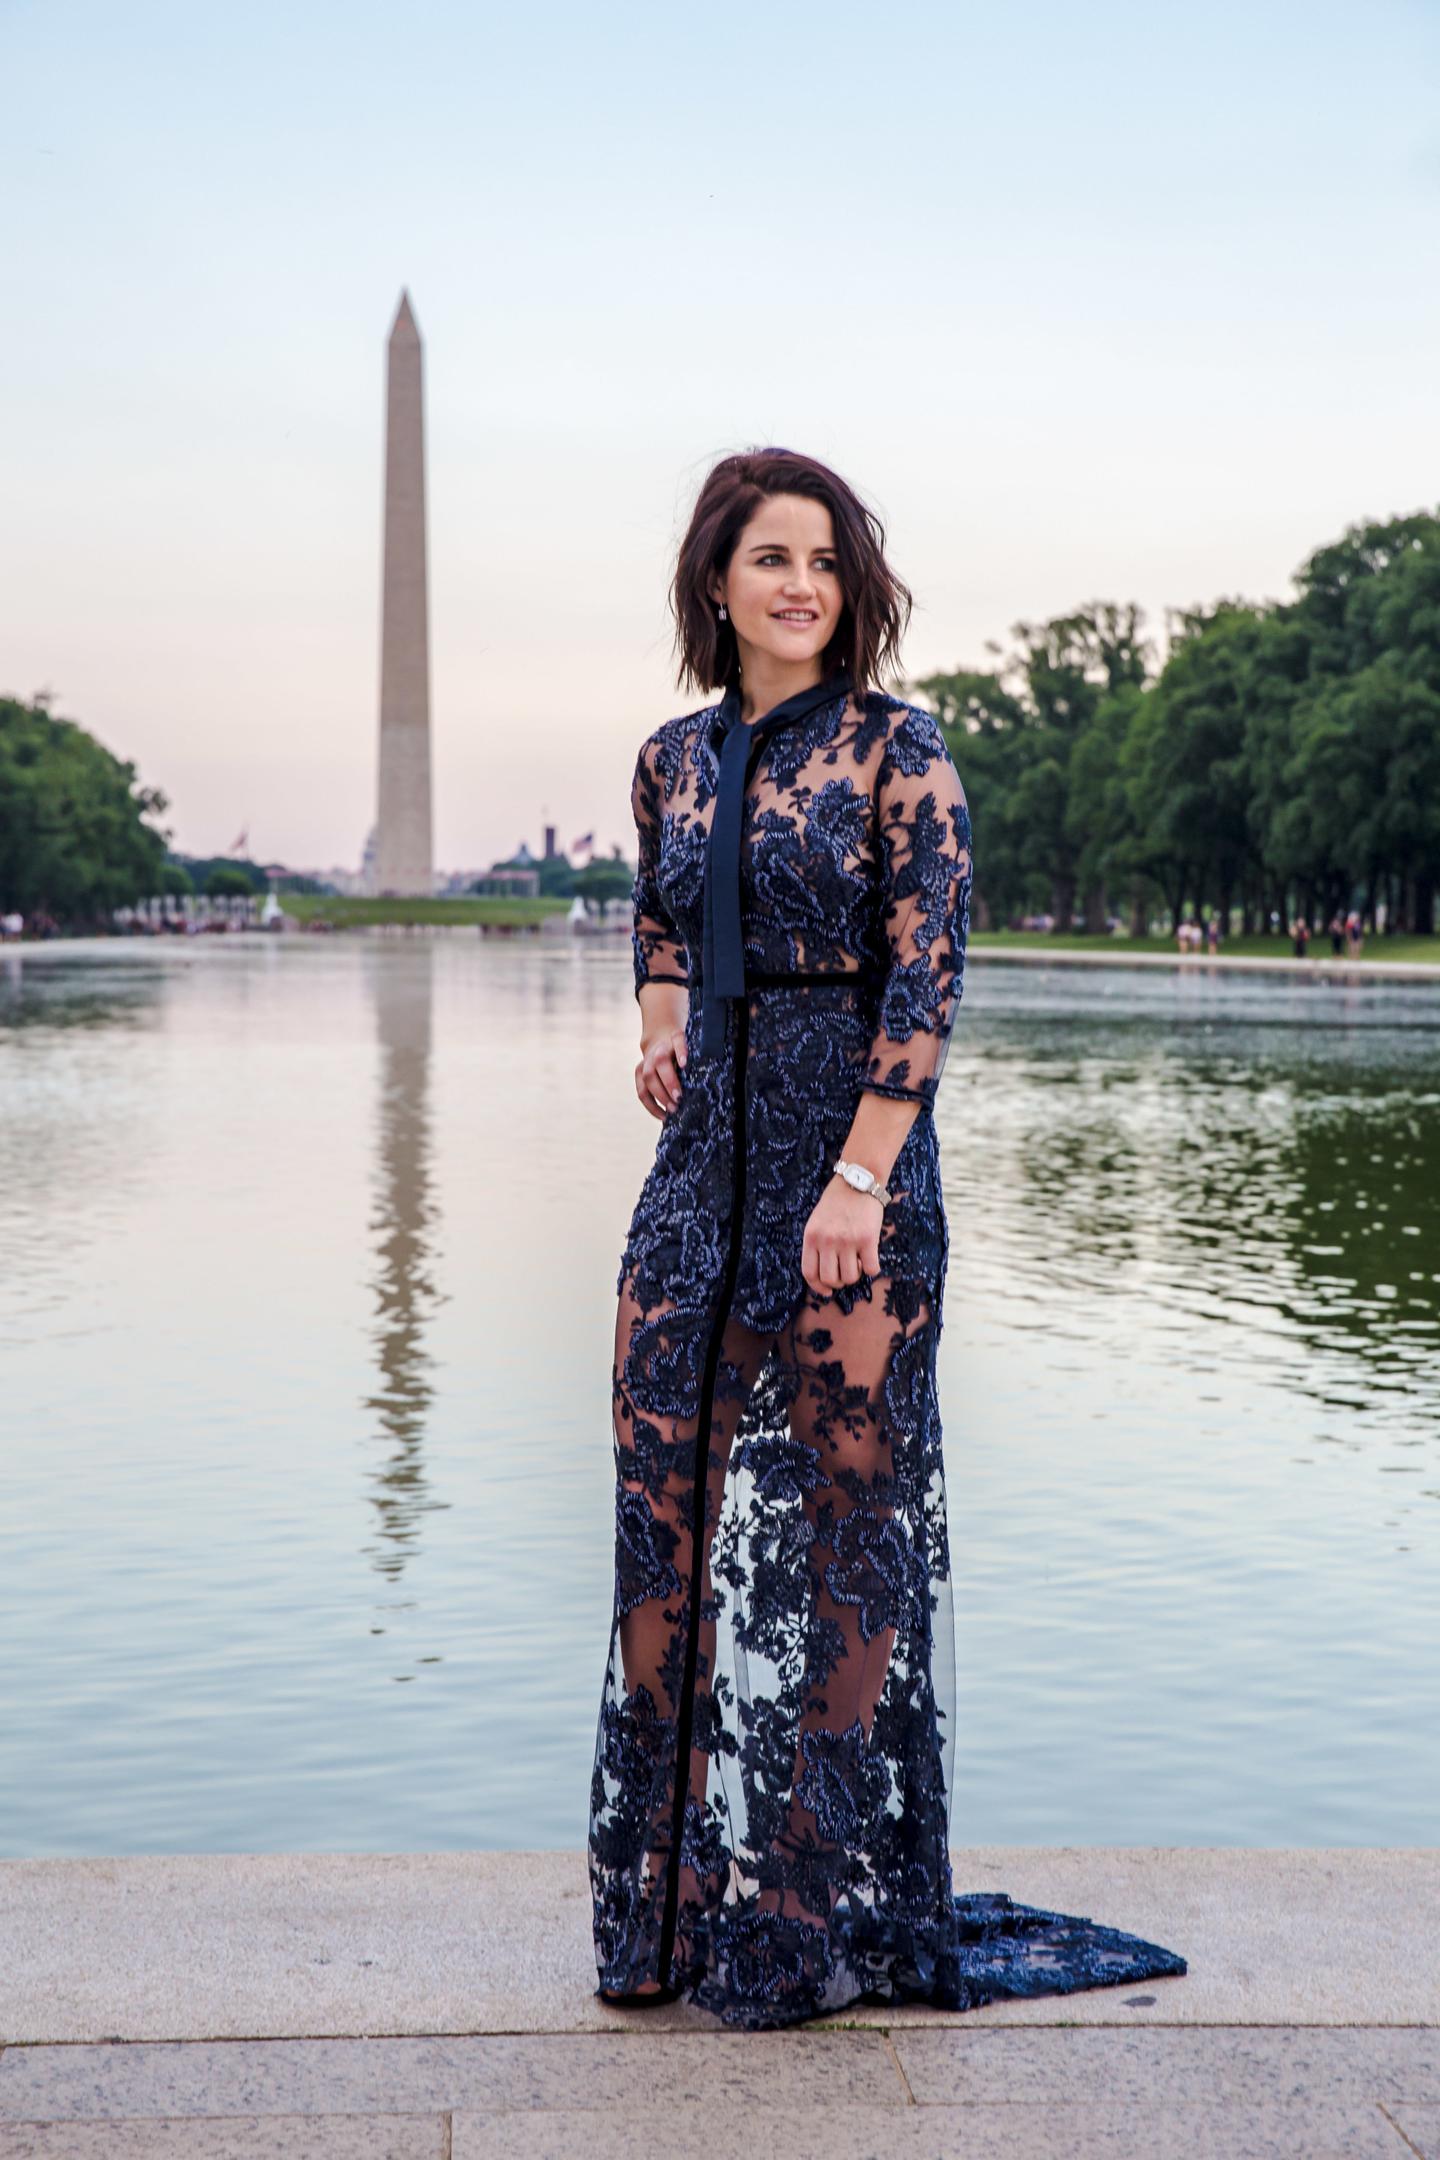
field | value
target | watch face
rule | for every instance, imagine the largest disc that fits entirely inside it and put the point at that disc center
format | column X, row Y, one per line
column 854, row 1175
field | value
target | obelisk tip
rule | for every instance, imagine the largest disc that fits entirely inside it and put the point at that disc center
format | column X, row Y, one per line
column 404, row 328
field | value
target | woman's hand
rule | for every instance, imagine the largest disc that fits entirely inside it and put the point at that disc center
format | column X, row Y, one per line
column 842, row 1237
column 657, row 1076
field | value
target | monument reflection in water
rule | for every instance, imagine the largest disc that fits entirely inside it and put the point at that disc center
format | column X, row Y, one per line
column 404, row 1223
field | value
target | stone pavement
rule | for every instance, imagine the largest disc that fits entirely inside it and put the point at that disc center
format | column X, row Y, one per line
column 360, row 2007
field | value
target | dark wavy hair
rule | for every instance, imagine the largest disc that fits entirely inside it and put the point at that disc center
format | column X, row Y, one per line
column 876, row 606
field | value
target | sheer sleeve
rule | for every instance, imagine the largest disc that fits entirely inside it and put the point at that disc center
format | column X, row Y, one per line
column 924, row 832
column 659, row 950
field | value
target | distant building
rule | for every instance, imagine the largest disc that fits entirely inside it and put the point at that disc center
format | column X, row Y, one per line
column 508, row 878
column 335, row 879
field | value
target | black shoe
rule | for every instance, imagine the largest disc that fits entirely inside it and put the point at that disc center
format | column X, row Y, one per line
column 649, row 2001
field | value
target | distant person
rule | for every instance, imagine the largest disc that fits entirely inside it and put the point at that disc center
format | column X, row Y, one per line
column 1300, row 932
column 782, row 1281
column 1354, row 933
column 1337, row 934
column 13, row 924
column 1212, row 933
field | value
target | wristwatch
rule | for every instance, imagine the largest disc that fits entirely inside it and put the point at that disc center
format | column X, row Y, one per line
column 863, row 1180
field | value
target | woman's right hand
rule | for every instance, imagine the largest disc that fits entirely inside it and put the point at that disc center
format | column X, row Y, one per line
column 657, row 1076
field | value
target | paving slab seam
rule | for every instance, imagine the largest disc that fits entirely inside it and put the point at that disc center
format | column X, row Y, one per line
column 817, row 2029
column 1410, row 2147
column 893, row 2053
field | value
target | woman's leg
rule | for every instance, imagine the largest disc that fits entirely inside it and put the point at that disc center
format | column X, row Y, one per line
column 866, row 1573
column 657, row 1385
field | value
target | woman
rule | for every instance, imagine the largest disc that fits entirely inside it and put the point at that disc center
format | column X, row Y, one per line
column 770, row 1793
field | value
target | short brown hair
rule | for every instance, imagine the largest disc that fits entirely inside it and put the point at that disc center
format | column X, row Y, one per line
column 876, row 605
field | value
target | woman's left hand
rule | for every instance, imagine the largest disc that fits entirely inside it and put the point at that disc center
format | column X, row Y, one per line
column 842, row 1238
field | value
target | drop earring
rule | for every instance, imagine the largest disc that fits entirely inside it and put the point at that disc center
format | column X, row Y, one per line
column 723, row 616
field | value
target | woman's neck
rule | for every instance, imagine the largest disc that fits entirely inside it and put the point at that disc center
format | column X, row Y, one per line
column 763, row 688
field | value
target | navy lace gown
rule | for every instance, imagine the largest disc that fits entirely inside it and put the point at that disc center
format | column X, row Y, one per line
column 769, row 1800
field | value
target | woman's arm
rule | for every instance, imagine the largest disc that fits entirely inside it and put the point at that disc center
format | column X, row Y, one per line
column 924, row 826
column 661, row 962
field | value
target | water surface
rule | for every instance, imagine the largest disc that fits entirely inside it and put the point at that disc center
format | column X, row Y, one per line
column 307, row 1267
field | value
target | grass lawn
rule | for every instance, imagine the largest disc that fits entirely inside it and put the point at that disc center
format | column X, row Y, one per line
column 347, row 912
column 1265, row 948
column 344, row 912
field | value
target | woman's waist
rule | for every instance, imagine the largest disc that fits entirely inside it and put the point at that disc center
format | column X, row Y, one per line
column 865, row 975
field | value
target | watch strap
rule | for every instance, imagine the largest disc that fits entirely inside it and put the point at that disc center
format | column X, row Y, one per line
column 876, row 1190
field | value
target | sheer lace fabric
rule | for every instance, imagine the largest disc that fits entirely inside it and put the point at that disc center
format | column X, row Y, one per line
column 774, row 1755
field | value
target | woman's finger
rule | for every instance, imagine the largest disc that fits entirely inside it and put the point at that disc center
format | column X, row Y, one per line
column 661, row 1075
column 642, row 1089
column 666, row 1077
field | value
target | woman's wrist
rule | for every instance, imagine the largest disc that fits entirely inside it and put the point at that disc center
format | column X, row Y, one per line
column 877, row 1134
column 664, row 1009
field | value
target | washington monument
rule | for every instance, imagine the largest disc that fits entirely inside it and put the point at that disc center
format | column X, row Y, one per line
column 404, row 848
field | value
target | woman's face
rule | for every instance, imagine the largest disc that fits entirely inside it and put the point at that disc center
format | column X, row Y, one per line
column 782, row 586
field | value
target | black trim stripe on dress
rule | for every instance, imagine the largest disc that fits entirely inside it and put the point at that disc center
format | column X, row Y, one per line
column 869, row 978
column 755, row 979
column 758, row 979
column 699, row 1550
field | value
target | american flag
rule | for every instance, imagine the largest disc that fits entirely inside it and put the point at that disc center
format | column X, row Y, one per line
column 585, row 845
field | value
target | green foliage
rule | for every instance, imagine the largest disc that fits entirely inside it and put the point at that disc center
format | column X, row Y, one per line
column 241, row 873
column 498, row 911
column 1286, row 756
column 227, row 881
column 609, row 877
column 73, row 838
column 557, row 877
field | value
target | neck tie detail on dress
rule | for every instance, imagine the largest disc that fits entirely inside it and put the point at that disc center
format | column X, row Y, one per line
column 723, row 952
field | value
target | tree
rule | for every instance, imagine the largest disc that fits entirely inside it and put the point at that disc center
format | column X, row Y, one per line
column 1188, row 785
column 606, row 878
column 227, row 881
column 73, row 838
column 1014, row 733
column 1287, row 755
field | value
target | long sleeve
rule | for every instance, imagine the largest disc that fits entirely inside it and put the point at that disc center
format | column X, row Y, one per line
column 924, row 826
column 659, row 950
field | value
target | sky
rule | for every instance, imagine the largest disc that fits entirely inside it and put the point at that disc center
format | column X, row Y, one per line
column 1122, row 302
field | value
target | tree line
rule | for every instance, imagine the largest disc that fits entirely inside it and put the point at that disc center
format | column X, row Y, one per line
column 1284, row 759
column 73, row 838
